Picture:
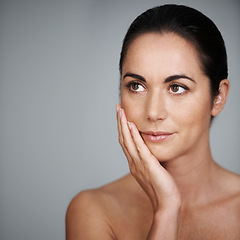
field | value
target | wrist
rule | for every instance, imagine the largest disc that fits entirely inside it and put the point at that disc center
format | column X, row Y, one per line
column 172, row 210
column 165, row 223
column 168, row 211
column 169, row 206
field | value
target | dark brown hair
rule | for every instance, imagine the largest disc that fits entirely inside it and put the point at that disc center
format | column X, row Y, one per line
column 193, row 26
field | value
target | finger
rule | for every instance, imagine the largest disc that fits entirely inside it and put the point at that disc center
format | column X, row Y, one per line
column 142, row 149
column 127, row 137
column 118, row 110
column 129, row 158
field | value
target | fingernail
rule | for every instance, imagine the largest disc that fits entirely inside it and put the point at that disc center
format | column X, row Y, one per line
column 129, row 125
column 117, row 107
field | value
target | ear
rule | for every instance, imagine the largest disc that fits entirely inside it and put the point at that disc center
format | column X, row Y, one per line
column 221, row 98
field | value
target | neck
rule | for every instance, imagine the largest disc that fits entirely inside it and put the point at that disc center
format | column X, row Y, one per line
column 193, row 175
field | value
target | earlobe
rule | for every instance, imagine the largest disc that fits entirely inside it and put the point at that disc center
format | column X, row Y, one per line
column 221, row 98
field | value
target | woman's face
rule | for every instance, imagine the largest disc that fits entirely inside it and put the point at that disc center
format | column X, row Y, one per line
column 166, row 94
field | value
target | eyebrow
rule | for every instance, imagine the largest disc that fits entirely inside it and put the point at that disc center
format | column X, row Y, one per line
column 175, row 77
column 167, row 80
column 136, row 76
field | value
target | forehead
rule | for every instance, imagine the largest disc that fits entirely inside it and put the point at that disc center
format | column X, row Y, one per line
column 164, row 54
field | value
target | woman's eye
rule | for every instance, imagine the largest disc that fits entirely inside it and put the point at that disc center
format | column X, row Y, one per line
column 177, row 89
column 136, row 87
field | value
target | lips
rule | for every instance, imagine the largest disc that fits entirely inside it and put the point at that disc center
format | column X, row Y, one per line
column 156, row 136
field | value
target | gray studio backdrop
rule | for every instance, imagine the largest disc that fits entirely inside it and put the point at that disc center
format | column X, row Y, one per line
column 58, row 90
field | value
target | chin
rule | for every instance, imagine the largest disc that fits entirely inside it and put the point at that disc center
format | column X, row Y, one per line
column 161, row 153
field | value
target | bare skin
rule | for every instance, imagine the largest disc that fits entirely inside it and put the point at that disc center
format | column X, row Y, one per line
column 121, row 210
column 175, row 189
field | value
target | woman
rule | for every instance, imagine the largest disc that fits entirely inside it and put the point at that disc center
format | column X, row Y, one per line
column 173, row 69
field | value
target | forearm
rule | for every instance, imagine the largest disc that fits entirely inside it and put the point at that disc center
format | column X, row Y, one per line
column 154, row 179
column 165, row 225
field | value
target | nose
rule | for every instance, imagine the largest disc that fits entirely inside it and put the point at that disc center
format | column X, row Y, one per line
column 156, row 107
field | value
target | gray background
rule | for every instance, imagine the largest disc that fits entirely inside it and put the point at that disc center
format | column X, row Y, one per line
column 58, row 91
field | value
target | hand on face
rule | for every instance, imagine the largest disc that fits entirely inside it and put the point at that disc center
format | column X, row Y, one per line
column 145, row 168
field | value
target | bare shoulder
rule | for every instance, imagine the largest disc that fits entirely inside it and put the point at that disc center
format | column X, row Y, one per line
column 231, row 193
column 85, row 213
column 98, row 213
column 89, row 213
column 232, row 183
column 229, row 207
column 236, row 191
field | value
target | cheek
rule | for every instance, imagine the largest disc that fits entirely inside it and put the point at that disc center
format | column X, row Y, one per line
column 196, row 114
column 133, row 108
